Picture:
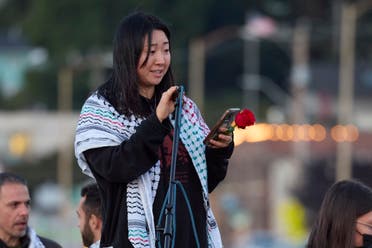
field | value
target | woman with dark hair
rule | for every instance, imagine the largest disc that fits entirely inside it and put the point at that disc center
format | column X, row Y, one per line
column 345, row 217
column 124, row 140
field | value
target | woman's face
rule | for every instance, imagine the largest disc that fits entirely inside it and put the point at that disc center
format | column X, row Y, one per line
column 151, row 73
column 363, row 225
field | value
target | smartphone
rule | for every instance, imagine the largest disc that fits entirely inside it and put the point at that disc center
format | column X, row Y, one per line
column 225, row 121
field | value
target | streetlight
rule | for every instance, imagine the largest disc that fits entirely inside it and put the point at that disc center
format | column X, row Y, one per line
column 198, row 49
column 96, row 62
column 256, row 27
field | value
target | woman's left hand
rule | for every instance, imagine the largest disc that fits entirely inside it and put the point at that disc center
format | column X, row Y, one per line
column 224, row 139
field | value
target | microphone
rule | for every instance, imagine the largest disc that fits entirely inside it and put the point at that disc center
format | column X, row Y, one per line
column 176, row 94
column 177, row 98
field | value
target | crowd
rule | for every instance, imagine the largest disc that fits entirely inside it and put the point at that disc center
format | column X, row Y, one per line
column 344, row 219
column 15, row 202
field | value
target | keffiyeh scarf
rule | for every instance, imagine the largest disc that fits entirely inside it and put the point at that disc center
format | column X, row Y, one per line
column 35, row 242
column 101, row 125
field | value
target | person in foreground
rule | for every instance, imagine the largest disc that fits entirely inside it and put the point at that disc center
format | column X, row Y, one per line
column 124, row 140
column 14, row 214
column 89, row 215
column 345, row 217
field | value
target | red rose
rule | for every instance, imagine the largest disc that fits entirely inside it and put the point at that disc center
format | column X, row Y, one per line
column 244, row 118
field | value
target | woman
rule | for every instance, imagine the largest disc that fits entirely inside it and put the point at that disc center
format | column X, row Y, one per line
column 345, row 217
column 124, row 140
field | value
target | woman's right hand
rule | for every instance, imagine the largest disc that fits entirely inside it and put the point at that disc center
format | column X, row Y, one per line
column 167, row 104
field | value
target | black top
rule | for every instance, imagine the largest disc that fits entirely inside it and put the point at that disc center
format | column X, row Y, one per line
column 185, row 174
column 114, row 167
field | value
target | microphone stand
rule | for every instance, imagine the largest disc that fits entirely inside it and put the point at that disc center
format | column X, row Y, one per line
column 171, row 201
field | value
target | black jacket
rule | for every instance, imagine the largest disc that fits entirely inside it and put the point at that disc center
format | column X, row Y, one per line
column 114, row 167
column 25, row 242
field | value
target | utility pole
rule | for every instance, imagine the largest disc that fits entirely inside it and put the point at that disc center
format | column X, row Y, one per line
column 251, row 63
column 251, row 76
column 255, row 28
column 299, row 80
column 197, row 71
column 350, row 11
column 199, row 48
column 96, row 63
column 64, row 163
column 64, row 158
column 346, row 88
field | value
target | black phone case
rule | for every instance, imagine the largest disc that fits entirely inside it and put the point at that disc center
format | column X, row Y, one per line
column 225, row 121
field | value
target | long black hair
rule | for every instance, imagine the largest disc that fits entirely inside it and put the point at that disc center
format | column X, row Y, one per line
column 121, row 90
column 343, row 203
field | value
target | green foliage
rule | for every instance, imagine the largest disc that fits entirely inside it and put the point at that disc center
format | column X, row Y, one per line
column 63, row 26
column 1, row 98
column 68, row 27
column 82, row 87
column 12, row 12
column 39, row 91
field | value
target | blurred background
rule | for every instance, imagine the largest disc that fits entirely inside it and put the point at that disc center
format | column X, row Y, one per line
column 303, row 67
